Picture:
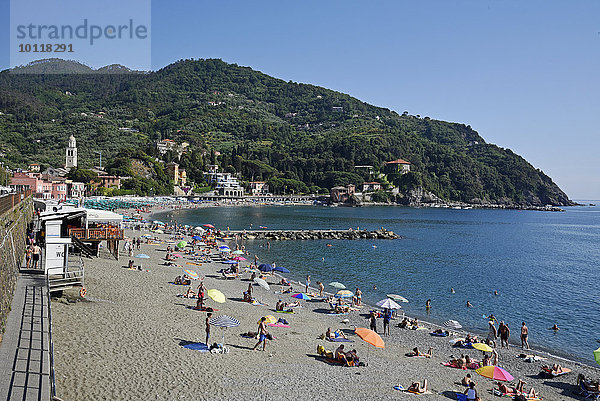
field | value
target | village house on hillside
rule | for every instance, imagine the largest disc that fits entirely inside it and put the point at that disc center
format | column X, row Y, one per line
column 397, row 166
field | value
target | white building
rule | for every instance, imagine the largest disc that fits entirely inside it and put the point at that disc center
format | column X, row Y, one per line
column 71, row 153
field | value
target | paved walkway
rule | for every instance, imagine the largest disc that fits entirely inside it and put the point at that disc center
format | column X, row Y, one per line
column 24, row 351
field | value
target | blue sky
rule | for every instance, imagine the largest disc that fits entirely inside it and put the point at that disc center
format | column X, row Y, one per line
column 524, row 74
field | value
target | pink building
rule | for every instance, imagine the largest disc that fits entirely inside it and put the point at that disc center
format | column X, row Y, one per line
column 59, row 190
column 22, row 181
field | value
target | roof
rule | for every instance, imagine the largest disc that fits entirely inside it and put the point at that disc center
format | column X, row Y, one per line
column 372, row 183
column 103, row 216
column 398, row 161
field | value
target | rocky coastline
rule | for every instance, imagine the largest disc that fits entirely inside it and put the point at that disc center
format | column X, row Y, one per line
column 283, row 235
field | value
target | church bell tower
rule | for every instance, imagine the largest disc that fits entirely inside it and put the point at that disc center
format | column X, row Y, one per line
column 71, row 155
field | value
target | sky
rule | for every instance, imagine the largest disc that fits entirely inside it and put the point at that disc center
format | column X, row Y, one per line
column 525, row 75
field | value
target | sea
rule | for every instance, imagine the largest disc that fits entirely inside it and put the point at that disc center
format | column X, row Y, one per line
column 544, row 266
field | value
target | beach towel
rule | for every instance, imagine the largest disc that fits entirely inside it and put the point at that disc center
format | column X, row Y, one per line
column 278, row 325
column 439, row 334
column 193, row 263
column 336, row 314
column 551, row 373
column 449, row 365
column 201, row 347
column 257, row 303
column 400, row 388
column 340, row 340
column 461, row 397
column 285, row 311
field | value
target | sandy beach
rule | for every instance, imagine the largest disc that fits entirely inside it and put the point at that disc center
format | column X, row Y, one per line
column 125, row 341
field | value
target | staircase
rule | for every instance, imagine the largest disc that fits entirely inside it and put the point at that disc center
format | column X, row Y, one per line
column 85, row 249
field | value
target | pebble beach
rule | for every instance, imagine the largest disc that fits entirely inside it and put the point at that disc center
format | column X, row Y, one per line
column 129, row 340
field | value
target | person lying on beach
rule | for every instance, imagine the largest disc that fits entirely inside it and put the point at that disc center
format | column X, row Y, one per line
column 288, row 290
column 466, row 380
column 130, row 265
column 589, row 385
column 185, row 280
column 404, row 323
column 284, row 281
column 334, row 334
column 459, row 362
column 352, row 358
column 555, row 369
column 417, row 388
column 440, row 331
column 282, row 306
column 415, row 352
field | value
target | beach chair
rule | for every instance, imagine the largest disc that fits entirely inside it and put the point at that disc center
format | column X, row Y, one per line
column 583, row 391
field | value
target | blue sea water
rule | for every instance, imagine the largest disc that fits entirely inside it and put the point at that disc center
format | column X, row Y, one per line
column 544, row 265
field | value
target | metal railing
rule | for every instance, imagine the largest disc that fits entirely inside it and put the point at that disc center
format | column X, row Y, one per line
column 51, row 344
column 96, row 233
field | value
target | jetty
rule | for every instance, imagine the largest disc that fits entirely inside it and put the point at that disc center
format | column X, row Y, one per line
column 283, row 235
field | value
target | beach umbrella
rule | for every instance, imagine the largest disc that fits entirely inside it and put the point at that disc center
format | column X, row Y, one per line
column 597, row 356
column 223, row 247
column 482, row 347
column 191, row 274
column 208, row 225
column 199, row 228
column 268, row 319
column 216, row 296
column 142, row 256
column 453, row 324
column 397, row 297
column 238, row 252
column 388, row 304
column 281, row 269
column 337, row 285
column 301, row 295
column 224, row 250
column 262, row 283
column 181, row 244
column 344, row 294
column 197, row 237
column 160, row 223
column 159, row 231
column 265, row 267
column 495, row 373
column 239, row 258
column 147, row 236
column 369, row 336
column 225, row 322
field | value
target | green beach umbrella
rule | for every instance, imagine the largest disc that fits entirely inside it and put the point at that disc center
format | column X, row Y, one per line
column 337, row 285
column 181, row 244
column 238, row 252
column 597, row 356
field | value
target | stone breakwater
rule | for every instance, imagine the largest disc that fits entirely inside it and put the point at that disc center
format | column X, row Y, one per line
column 282, row 235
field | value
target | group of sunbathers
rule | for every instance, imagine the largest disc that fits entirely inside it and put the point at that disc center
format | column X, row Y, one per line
column 185, row 280
column 407, row 323
column 331, row 335
column 349, row 358
column 587, row 384
column 286, row 306
column 518, row 389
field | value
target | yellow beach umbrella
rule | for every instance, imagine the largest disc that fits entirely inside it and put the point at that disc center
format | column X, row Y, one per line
column 482, row 347
column 216, row 296
column 344, row 294
column 269, row 319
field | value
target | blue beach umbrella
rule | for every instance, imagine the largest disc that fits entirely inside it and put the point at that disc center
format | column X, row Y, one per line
column 301, row 295
column 197, row 237
column 265, row 267
column 281, row 269
column 230, row 262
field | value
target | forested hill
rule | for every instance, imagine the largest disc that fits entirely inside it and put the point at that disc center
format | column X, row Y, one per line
column 296, row 136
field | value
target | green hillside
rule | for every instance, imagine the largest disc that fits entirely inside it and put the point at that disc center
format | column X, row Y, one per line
column 299, row 137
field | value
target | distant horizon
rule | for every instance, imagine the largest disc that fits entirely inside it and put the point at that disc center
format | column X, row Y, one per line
column 524, row 76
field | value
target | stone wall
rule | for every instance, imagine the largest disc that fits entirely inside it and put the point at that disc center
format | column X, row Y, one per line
column 13, row 231
column 282, row 235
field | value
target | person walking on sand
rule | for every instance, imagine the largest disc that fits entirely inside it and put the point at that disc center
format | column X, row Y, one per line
column 307, row 283
column 262, row 334
column 373, row 322
column 321, row 288
column 524, row 335
column 492, row 334
column 208, row 316
column 387, row 317
column 36, row 251
column 504, row 332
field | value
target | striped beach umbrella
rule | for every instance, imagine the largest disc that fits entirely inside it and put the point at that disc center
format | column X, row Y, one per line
column 495, row 373
column 301, row 295
column 191, row 274
column 388, row 304
column 397, row 297
column 225, row 322
column 453, row 324
column 344, row 294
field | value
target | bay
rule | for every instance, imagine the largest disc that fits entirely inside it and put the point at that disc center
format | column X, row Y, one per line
column 545, row 266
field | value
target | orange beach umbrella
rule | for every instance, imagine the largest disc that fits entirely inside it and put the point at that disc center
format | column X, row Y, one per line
column 370, row 337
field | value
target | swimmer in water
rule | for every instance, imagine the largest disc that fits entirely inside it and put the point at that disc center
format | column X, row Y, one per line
column 428, row 304
column 495, row 292
column 555, row 328
column 374, row 287
column 452, row 291
column 469, row 304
